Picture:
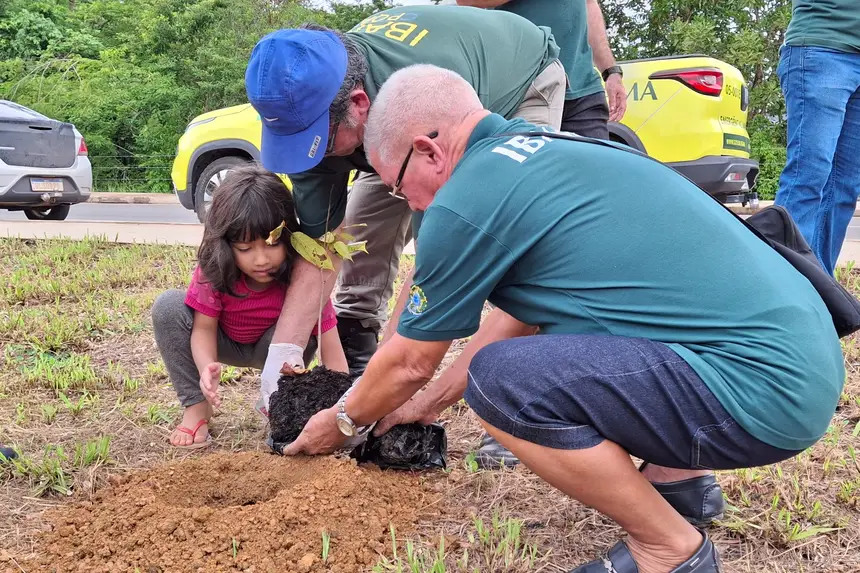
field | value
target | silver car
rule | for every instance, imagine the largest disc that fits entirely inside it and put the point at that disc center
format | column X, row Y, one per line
column 44, row 167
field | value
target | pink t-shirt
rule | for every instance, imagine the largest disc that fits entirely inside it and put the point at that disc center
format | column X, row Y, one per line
column 246, row 319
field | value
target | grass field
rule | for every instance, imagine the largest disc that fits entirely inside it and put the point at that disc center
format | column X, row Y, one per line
column 85, row 396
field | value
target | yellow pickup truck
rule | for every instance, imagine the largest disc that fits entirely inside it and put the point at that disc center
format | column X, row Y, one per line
column 689, row 112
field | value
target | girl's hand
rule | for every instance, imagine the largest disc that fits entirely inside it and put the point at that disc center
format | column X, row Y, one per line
column 210, row 378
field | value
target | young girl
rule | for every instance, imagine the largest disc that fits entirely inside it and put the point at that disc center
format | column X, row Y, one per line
column 237, row 291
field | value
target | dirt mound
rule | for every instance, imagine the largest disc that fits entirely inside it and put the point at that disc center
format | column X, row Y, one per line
column 252, row 512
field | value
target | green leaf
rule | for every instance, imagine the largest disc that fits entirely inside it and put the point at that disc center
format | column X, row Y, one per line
column 328, row 238
column 813, row 530
column 350, row 238
column 355, row 225
column 311, row 251
column 360, row 246
column 341, row 249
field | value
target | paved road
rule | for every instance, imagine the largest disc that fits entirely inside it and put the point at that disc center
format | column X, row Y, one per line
column 126, row 213
column 134, row 223
column 129, row 213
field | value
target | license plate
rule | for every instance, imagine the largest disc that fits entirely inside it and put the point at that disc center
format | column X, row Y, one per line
column 46, row 184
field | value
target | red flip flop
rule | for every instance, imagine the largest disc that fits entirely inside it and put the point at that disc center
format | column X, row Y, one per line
column 193, row 433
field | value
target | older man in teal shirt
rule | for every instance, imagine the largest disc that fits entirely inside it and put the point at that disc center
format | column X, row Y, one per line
column 648, row 345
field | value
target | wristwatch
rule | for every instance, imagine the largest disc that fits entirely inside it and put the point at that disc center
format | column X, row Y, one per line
column 612, row 70
column 344, row 423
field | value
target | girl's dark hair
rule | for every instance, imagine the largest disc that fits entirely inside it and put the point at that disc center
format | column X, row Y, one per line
column 249, row 204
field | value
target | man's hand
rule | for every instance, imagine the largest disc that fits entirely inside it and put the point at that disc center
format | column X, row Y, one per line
column 415, row 410
column 319, row 436
column 210, row 378
column 617, row 96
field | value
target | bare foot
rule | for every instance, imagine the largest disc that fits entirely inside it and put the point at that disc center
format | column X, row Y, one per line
column 668, row 555
column 660, row 474
column 190, row 419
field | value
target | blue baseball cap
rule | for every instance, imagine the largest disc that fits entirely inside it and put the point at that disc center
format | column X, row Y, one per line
column 292, row 78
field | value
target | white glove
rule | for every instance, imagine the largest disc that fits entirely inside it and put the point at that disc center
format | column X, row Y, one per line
column 279, row 354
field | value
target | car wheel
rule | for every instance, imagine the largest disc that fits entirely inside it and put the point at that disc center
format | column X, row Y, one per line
column 57, row 213
column 210, row 180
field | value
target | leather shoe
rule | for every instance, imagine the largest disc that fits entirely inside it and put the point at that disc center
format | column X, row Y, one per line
column 699, row 500
column 7, row 453
column 619, row 560
column 492, row 455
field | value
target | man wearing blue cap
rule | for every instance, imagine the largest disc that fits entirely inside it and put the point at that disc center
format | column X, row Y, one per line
column 313, row 88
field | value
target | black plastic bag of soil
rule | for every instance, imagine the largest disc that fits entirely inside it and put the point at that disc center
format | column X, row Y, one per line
column 298, row 398
column 405, row 447
column 301, row 395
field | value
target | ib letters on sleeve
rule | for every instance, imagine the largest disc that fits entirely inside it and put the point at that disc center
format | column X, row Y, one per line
column 398, row 27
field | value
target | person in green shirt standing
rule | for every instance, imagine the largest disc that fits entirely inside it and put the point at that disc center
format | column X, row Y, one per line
column 644, row 348
column 580, row 32
column 819, row 71
column 313, row 88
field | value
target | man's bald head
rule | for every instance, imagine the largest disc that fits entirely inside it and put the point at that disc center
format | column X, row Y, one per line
column 414, row 101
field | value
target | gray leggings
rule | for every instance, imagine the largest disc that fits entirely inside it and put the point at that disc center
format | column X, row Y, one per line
column 172, row 320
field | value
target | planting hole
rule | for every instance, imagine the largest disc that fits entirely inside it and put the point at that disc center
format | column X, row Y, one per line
column 231, row 484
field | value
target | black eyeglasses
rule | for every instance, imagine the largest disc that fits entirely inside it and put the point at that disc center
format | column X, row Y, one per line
column 396, row 189
column 329, row 148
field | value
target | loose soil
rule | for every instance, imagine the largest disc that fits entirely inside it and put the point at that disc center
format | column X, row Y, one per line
column 300, row 396
column 253, row 512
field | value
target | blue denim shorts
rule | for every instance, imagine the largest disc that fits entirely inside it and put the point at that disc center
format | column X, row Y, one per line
column 574, row 391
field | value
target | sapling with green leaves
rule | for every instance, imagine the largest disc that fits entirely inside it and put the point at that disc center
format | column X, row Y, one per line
column 317, row 251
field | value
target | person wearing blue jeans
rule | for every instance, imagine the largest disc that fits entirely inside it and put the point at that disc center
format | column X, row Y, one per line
column 819, row 71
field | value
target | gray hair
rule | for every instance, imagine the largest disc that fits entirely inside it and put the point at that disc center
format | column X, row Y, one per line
column 356, row 70
column 415, row 100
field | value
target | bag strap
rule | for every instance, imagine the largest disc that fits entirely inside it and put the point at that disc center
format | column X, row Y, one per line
column 620, row 147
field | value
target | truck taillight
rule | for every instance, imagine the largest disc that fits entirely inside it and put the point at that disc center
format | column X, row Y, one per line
column 706, row 81
column 82, row 150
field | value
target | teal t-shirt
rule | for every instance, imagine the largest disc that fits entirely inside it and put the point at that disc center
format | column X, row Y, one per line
column 831, row 24
column 498, row 53
column 568, row 20
column 576, row 238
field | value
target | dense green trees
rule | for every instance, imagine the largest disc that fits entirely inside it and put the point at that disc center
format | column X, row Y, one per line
column 131, row 73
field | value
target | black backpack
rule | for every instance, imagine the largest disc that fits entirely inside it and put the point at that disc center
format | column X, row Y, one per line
column 774, row 226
